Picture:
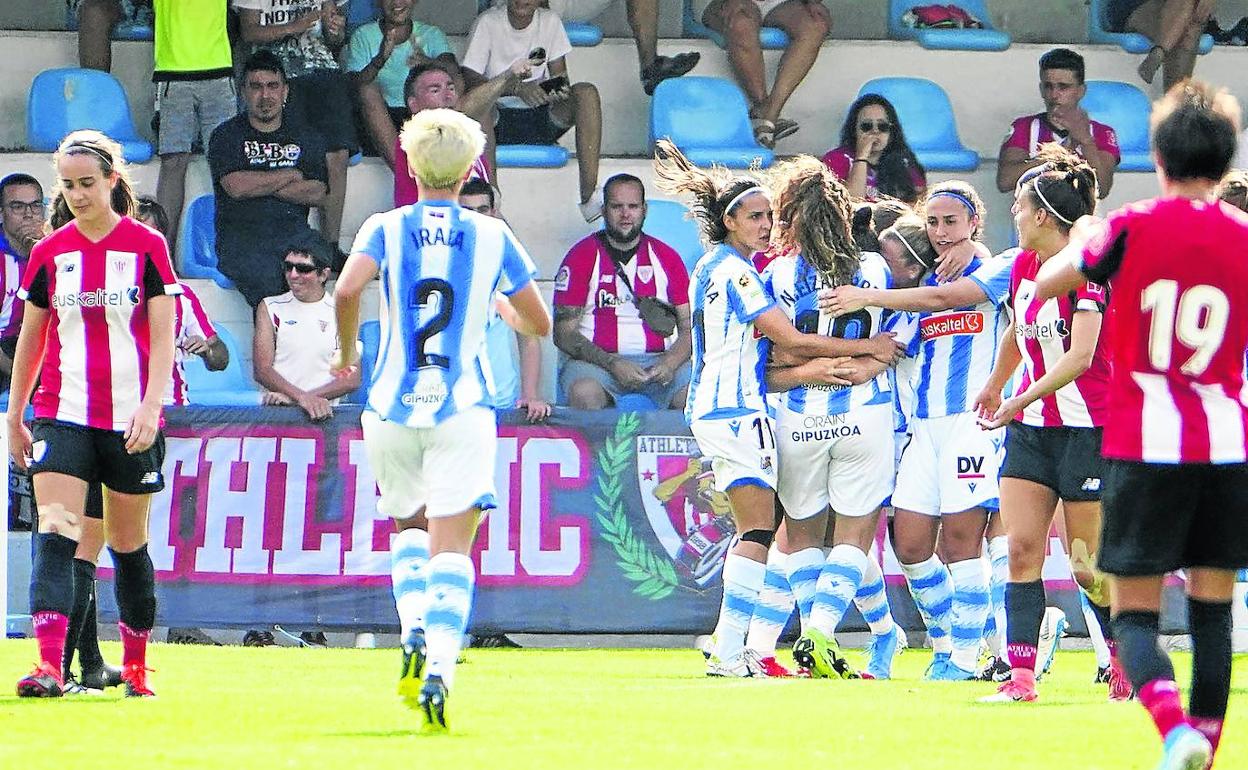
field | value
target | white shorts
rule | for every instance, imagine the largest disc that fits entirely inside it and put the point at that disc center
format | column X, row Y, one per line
column 845, row 461
column 949, row 466
column 742, row 450
column 767, row 6
column 448, row 468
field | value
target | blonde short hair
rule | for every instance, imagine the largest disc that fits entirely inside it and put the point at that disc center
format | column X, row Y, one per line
column 441, row 146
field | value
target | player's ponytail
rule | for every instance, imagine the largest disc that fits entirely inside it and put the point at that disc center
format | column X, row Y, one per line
column 108, row 154
column 814, row 217
column 1064, row 185
column 715, row 192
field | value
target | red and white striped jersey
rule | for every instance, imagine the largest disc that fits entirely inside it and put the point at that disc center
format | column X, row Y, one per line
column 95, row 365
column 588, row 278
column 10, row 282
column 189, row 320
column 1043, row 332
column 1179, row 326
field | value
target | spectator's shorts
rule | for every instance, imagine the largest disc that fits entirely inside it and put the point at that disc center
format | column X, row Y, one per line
column 661, row 395
column 323, row 100
column 447, row 469
column 529, row 125
column 97, row 455
column 191, row 109
column 1117, row 12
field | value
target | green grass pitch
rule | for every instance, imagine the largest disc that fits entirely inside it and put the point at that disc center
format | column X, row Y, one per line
column 243, row 708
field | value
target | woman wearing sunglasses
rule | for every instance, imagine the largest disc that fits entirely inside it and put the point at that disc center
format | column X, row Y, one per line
column 873, row 159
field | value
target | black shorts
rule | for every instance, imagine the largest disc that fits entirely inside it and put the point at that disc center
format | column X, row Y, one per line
column 322, row 100
column 1066, row 460
column 528, row 125
column 1159, row 518
column 97, row 456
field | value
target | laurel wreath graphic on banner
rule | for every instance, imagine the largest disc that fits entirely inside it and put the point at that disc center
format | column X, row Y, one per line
column 654, row 576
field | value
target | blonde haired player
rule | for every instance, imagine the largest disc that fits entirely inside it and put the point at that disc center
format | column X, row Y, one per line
column 429, row 428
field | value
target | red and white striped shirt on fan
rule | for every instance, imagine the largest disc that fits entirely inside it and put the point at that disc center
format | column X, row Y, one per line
column 189, row 320
column 1043, row 331
column 405, row 191
column 1178, row 270
column 10, row 281
column 588, row 278
column 95, row 366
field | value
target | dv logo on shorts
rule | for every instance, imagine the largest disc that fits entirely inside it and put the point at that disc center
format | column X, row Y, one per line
column 971, row 470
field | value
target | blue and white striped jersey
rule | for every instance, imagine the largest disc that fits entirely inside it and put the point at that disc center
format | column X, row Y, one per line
column 795, row 284
column 728, row 356
column 956, row 349
column 440, row 266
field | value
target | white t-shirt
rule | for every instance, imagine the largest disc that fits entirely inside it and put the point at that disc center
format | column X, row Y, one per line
column 494, row 45
column 307, row 339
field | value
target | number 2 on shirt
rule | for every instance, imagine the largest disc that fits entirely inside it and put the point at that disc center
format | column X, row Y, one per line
column 422, row 293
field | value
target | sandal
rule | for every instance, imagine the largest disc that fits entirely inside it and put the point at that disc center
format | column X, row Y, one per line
column 764, row 132
column 785, row 128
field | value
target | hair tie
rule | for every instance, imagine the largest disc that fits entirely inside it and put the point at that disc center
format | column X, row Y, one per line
column 1047, row 205
column 739, row 196
column 965, row 201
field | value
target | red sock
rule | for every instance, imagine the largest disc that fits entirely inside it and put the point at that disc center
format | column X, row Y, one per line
column 1113, row 649
column 1021, row 655
column 50, row 629
column 1161, row 698
column 1211, row 728
column 133, row 645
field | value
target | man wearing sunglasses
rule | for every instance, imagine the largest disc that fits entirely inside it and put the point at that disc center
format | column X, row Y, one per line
column 296, row 338
column 21, row 202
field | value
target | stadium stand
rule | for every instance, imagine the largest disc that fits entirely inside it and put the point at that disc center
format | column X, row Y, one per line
column 708, row 119
column 986, row 39
column 1130, row 42
column 197, row 252
column 64, row 100
column 232, row 386
column 667, row 221
column 583, row 35
column 771, row 38
column 925, row 111
column 531, row 156
column 1124, row 108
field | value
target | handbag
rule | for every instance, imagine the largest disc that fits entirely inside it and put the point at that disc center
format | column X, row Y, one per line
column 660, row 316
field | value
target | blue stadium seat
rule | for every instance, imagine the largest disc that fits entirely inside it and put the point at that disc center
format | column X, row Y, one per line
column 927, row 118
column 228, row 387
column 986, row 39
column 531, row 155
column 771, row 38
column 64, row 100
column 708, row 119
column 635, row 402
column 197, row 254
column 361, row 12
column 666, row 221
column 370, row 339
column 581, row 34
column 1126, row 109
column 1131, row 42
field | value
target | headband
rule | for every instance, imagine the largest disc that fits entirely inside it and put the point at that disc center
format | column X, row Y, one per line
column 890, row 231
column 959, row 197
column 739, row 196
column 103, row 155
column 1047, row 205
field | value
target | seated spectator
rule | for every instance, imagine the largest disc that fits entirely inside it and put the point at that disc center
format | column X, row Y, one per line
column 612, row 348
column 874, row 160
column 514, row 387
column 1234, row 188
column 96, row 19
column 807, row 23
column 1173, row 26
column 267, row 173
column 296, row 339
column 541, row 109
column 379, row 57
column 22, row 207
column 305, row 34
column 1063, row 121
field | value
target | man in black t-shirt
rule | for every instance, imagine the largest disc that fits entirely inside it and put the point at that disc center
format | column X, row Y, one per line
column 266, row 175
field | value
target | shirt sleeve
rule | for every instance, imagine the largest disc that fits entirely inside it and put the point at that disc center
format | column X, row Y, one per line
column 677, row 276
column 477, row 55
column 557, row 43
column 196, row 320
column 518, row 268
column 1106, row 140
column 158, row 276
column 362, row 48
column 223, row 152
column 839, row 161
column 35, row 284
column 572, row 279
column 405, row 190
column 1017, row 135
column 905, row 328
column 1102, row 254
column 1091, row 296
column 747, row 296
column 371, row 240
column 993, row 277
column 312, row 156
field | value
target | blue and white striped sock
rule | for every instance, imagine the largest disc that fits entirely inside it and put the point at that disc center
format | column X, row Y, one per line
column 999, row 559
column 1095, row 634
column 933, row 595
column 774, row 608
column 872, row 599
column 971, row 607
column 743, row 580
column 803, row 569
column 409, row 558
column 451, row 581
column 838, row 583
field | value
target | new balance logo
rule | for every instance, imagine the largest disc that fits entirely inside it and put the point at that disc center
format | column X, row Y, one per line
column 1091, row 485
column 149, row 478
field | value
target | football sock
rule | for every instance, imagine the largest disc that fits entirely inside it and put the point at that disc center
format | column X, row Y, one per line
column 133, row 645
column 743, row 581
column 135, row 584
column 932, row 589
column 998, row 554
column 1149, row 668
column 409, row 560
column 803, row 569
column 1100, row 628
column 50, row 633
column 1210, row 627
column 1024, row 604
column 872, row 599
column 52, row 575
column 81, row 634
column 838, row 583
column 971, row 605
column 450, row 587
column 774, row 607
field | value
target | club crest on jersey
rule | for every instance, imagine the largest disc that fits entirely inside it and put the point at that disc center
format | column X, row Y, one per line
column 951, row 324
column 691, row 519
column 645, row 273
column 563, row 279
column 324, row 325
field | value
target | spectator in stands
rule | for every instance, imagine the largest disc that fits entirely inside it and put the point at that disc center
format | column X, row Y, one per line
column 1174, row 27
column 1234, row 188
column 267, row 173
column 541, row 109
column 874, row 160
column 379, row 57
column 807, row 23
column 96, row 20
column 304, row 34
column 514, row 388
column 296, row 338
column 1064, row 121
column 605, row 309
column 22, row 207
column 195, row 86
